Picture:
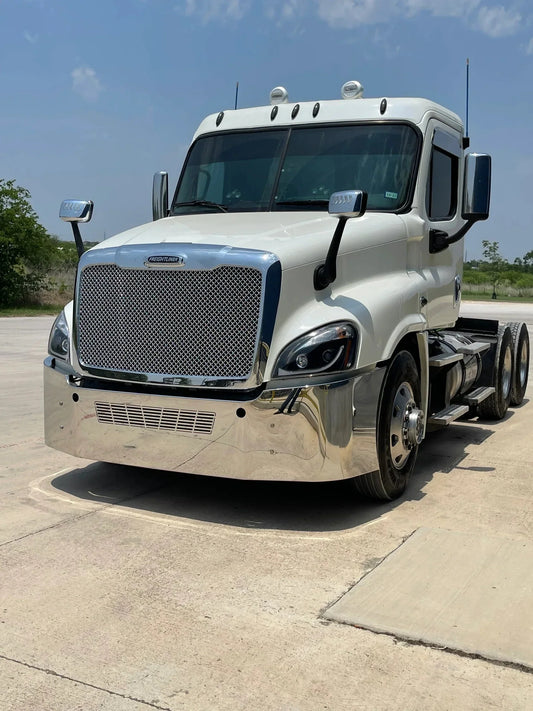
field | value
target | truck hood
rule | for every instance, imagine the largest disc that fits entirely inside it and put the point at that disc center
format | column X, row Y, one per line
column 296, row 238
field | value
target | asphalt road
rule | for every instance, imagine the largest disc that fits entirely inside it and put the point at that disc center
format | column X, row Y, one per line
column 128, row 589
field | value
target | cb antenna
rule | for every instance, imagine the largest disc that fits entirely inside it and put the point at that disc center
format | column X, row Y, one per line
column 467, row 138
column 236, row 94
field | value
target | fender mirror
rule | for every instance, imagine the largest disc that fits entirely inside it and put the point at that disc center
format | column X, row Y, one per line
column 344, row 205
column 75, row 211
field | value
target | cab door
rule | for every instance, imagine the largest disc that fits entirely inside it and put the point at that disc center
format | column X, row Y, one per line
column 441, row 294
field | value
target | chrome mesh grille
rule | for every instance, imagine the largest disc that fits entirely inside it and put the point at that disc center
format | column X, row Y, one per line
column 155, row 418
column 165, row 321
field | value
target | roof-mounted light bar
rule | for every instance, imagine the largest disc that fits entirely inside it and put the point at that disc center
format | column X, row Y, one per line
column 352, row 90
column 279, row 95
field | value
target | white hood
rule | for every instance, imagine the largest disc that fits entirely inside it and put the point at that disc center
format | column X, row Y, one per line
column 297, row 238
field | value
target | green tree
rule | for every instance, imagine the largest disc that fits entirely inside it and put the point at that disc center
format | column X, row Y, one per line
column 496, row 264
column 26, row 250
column 528, row 260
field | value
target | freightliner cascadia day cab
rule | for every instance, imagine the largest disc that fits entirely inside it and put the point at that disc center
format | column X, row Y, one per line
column 293, row 313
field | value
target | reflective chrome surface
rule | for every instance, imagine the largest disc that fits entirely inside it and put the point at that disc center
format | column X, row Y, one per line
column 324, row 433
column 76, row 210
column 406, row 426
column 347, row 203
column 507, row 372
column 197, row 315
column 160, row 195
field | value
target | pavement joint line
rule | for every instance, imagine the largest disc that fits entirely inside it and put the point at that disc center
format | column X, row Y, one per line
column 8, row 445
column 47, row 528
column 72, row 519
column 409, row 640
column 51, row 672
column 449, row 650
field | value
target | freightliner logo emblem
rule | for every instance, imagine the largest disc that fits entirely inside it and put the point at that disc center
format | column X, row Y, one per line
column 165, row 260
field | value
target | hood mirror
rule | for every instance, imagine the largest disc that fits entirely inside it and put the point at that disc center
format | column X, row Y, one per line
column 343, row 205
column 75, row 211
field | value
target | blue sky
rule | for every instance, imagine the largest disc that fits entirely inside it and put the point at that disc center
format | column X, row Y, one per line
column 97, row 96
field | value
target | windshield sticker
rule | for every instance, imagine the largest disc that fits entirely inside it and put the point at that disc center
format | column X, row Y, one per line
column 392, row 196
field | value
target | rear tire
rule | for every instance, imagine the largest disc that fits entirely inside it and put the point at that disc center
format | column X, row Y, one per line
column 495, row 406
column 399, row 431
column 520, row 337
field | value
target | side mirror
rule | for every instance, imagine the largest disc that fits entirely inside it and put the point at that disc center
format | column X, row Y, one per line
column 347, row 203
column 476, row 192
column 75, row 211
column 160, row 195
column 344, row 205
column 476, row 201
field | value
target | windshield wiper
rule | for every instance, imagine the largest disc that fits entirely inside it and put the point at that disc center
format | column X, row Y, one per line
column 202, row 203
column 318, row 201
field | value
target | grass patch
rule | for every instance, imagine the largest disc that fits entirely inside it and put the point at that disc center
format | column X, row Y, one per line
column 474, row 296
column 37, row 310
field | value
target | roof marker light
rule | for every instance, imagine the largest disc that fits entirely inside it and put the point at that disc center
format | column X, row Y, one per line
column 352, row 90
column 279, row 95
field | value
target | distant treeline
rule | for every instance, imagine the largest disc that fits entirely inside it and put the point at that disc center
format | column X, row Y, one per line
column 495, row 275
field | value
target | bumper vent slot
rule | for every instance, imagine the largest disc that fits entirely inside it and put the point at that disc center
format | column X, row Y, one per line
column 155, row 418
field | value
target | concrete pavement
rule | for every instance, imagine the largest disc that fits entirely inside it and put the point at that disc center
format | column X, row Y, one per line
column 123, row 588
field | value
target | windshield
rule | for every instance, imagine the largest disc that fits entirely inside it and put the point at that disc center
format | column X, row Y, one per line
column 298, row 168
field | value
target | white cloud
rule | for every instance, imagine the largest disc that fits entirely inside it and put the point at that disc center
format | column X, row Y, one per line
column 216, row 9
column 353, row 13
column 495, row 21
column 442, row 8
column 498, row 22
column 86, row 83
column 29, row 37
column 289, row 9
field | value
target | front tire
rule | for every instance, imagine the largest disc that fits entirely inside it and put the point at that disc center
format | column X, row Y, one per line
column 399, row 431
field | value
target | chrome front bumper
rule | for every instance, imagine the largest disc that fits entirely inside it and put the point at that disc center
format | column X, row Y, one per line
column 328, row 434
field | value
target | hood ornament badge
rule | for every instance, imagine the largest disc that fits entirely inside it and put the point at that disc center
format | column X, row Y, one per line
column 165, row 260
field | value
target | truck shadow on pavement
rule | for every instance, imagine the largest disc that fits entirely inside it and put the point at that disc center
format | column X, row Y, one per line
column 287, row 506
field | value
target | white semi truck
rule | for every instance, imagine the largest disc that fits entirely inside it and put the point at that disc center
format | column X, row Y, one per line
column 293, row 313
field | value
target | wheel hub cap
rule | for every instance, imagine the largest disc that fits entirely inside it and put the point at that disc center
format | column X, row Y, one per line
column 407, row 425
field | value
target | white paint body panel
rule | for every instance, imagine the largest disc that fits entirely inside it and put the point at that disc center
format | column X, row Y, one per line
column 384, row 266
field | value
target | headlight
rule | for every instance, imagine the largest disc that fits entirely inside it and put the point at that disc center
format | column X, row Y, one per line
column 328, row 349
column 58, row 343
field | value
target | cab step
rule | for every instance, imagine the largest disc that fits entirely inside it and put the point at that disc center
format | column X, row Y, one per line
column 448, row 415
column 473, row 348
column 439, row 361
column 479, row 394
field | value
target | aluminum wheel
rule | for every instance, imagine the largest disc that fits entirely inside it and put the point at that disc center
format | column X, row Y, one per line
column 406, row 425
column 400, row 429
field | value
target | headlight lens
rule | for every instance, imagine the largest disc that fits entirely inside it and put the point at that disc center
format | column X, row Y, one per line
column 328, row 349
column 58, row 343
